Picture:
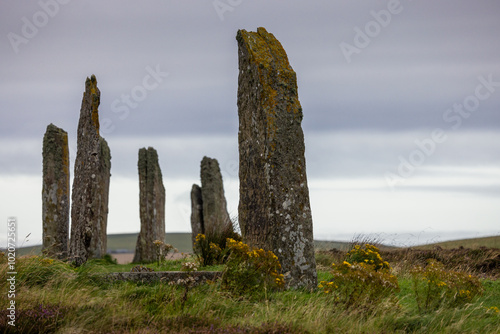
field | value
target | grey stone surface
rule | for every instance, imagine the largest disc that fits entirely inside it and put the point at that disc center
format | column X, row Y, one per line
column 99, row 244
column 196, row 213
column 91, row 182
column 151, row 205
column 55, row 193
column 274, row 211
column 215, row 216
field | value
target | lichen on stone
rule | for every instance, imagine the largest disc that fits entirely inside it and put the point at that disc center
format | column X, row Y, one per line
column 272, row 164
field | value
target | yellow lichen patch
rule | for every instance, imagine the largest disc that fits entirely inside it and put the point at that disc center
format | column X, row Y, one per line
column 268, row 56
column 265, row 49
column 94, row 95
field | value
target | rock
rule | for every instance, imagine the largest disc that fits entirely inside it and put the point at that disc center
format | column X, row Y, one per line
column 152, row 205
column 216, row 219
column 55, row 193
column 196, row 212
column 159, row 276
column 274, row 211
column 141, row 269
column 99, row 244
column 91, row 182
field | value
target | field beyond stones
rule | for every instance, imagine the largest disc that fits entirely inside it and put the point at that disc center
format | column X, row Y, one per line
column 53, row 297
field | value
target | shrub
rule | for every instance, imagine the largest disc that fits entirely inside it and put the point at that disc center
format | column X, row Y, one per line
column 365, row 281
column 208, row 253
column 162, row 250
column 251, row 271
column 434, row 286
column 369, row 255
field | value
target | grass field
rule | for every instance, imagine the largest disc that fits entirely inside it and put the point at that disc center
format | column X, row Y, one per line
column 54, row 297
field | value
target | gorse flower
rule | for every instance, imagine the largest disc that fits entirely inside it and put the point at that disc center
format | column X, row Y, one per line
column 363, row 278
column 369, row 254
column 250, row 270
column 434, row 286
column 211, row 249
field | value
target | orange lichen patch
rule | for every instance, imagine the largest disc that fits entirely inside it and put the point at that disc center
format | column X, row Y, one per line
column 274, row 71
column 265, row 49
column 95, row 96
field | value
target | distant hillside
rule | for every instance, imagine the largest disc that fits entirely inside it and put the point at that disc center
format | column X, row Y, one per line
column 125, row 243
column 490, row 242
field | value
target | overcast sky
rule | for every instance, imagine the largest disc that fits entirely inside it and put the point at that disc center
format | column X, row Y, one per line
column 401, row 105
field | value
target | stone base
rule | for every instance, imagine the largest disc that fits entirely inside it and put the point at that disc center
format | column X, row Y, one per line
column 163, row 276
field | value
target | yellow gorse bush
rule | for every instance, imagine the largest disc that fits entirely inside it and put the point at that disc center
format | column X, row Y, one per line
column 370, row 254
column 251, row 270
column 200, row 237
column 434, row 286
column 362, row 279
column 208, row 253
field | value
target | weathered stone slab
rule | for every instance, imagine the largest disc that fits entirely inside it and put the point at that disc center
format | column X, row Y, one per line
column 55, row 192
column 163, row 276
column 215, row 216
column 196, row 213
column 274, row 211
column 99, row 244
column 91, row 182
column 152, row 205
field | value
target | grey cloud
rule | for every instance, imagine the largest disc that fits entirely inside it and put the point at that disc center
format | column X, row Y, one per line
column 425, row 60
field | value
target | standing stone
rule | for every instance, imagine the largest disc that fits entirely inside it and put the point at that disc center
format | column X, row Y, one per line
column 99, row 244
column 152, row 205
column 196, row 213
column 91, row 182
column 274, row 210
column 55, row 193
column 216, row 220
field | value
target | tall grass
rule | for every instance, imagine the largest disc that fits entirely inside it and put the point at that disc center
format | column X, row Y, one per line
column 54, row 297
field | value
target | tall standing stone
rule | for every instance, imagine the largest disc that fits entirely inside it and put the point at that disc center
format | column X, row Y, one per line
column 55, row 192
column 152, row 205
column 91, row 182
column 216, row 219
column 196, row 213
column 274, row 211
column 99, row 244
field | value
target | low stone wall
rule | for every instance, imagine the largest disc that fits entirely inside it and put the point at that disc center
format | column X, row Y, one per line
column 164, row 276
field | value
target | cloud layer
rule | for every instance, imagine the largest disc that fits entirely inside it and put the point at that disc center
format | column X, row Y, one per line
column 168, row 72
